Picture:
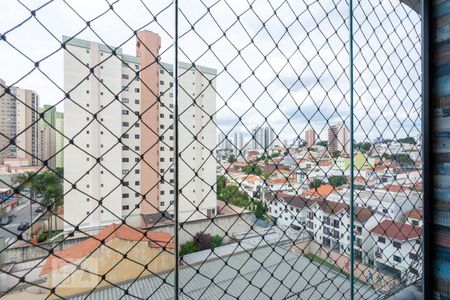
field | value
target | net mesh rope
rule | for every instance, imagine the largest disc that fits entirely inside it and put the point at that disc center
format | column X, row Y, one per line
column 262, row 171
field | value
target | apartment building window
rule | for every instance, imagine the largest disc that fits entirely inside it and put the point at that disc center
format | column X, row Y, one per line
column 125, row 124
column 397, row 245
column 136, row 67
column 125, row 207
column 136, row 124
column 125, row 196
column 161, row 126
column 125, row 112
column 161, row 71
column 162, row 193
column 125, row 88
column 136, row 90
column 136, row 148
column 125, row 76
column 381, row 240
column 125, row 159
column 137, row 171
column 137, row 183
column 413, row 256
column 136, row 101
column 136, row 136
column 161, row 159
column 397, row 258
column 125, row 135
column 162, row 203
column 161, row 116
column 124, row 172
column 136, row 205
column 125, row 100
column 125, row 148
column 161, row 82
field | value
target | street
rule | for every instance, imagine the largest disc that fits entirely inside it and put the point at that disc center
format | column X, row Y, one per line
column 22, row 213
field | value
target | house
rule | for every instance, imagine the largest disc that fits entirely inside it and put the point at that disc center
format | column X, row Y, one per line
column 289, row 210
column 80, row 267
column 414, row 217
column 329, row 223
column 322, row 191
column 397, row 248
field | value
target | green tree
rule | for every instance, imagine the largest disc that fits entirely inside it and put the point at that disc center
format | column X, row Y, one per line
column 315, row 183
column 254, row 169
column 231, row 158
column 337, row 180
column 335, row 154
column 221, row 183
column 52, row 196
column 231, row 194
column 322, row 143
column 407, row 140
column 402, row 159
column 365, row 147
column 260, row 211
column 385, row 155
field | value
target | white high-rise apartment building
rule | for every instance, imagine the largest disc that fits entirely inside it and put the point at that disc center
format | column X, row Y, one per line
column 339, row 138
column 263, row 138
column 111, row 133
column 238, row 141
column 19, row 114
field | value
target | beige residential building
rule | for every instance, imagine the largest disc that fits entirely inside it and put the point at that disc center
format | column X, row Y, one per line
column 339, row 138
column 310, row 137
column 59, row 143
column 18, row 119
column 141, row 116
column 47, row 147
column 47, row 136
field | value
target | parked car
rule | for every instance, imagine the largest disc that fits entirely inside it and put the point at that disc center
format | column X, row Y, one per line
column 5, row 220
column 23, row 226
column 39, row 209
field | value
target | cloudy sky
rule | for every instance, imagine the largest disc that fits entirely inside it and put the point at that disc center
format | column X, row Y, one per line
column 287, row 62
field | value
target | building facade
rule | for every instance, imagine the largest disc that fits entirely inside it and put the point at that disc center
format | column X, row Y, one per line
column 47, row 135
column 123, row 112
column 59, row 142
column 339, row 139
column 19, row 114
column 310, row 137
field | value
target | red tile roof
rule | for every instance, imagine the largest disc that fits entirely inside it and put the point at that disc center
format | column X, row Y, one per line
column 322, row 191
column 397, row 230
column 123, row 232
column 414, row 213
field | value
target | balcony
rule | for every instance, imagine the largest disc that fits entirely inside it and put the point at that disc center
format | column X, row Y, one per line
column 211, row 149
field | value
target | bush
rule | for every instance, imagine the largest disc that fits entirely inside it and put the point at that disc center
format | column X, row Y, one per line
column 188, row 247
column 202, row 240
column 43, row 237
column 216, row 241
